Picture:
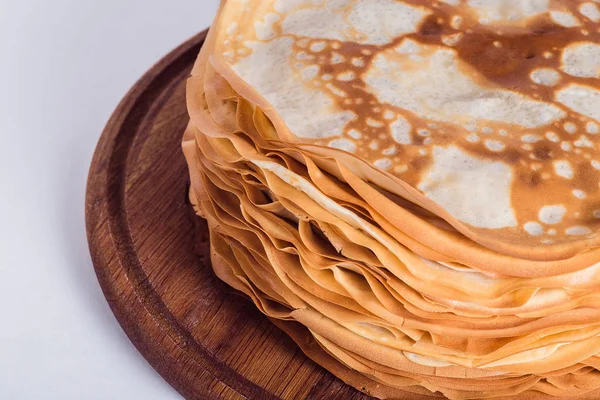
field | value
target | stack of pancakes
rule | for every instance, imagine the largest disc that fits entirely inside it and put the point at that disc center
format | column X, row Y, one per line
column 410, row 186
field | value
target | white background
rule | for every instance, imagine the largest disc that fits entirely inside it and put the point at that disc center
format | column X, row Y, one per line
column 64, row 66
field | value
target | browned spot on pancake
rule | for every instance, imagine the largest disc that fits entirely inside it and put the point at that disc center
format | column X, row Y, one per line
column 518, row 51
column 418, row 164
column 586, row 178
column 529, row 178
column 542, row 153
column 432, row 26
column 327, row 69
column 512, row 156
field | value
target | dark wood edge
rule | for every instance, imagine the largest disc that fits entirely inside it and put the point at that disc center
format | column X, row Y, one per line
column 138, row 309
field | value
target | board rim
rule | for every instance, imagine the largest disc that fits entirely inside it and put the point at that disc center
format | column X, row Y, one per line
column 112, row 251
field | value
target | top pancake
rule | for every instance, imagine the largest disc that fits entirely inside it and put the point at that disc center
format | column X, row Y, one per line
column 490, row 109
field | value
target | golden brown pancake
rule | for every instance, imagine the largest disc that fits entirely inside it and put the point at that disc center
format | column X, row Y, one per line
column 414, row 182
column 487, row 109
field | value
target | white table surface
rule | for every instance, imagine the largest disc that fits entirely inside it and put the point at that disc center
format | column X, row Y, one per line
column 64, row 66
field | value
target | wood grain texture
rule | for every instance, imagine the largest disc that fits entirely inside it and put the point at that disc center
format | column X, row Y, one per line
column 151, row 257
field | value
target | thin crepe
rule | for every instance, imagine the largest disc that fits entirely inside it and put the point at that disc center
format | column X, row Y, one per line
column 487, row 144
column 397, row 295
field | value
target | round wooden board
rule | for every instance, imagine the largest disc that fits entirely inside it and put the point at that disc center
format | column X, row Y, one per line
column 151, row 257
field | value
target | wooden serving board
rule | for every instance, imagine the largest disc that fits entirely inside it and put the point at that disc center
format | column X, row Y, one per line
column 151, row 256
